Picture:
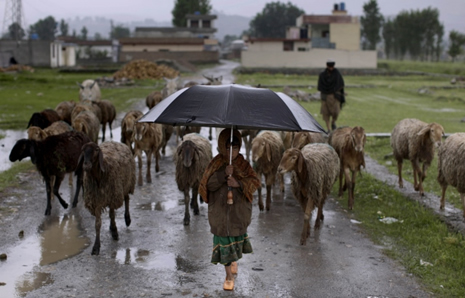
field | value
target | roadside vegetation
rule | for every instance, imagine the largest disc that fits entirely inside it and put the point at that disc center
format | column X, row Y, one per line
column 420, row 241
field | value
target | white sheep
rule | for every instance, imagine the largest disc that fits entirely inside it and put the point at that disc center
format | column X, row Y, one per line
column 89, row 90
column 314, row 171
column 415, row 140
column 451, row 166
column 109, row 179
column 267, row 151
column 192, row 157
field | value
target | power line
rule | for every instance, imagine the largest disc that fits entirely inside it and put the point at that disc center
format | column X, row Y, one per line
column 13, row 14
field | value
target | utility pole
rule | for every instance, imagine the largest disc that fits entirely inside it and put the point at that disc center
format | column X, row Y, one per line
column 13, row 14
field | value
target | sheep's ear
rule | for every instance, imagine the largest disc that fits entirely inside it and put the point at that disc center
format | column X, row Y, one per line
column 92, row 86
column 268, row 151
column 32, row 152
column 425, row 130
column 82, row 87
column 100, row 160
column 300, row 163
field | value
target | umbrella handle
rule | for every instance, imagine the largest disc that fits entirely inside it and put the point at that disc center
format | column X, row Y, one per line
column 230, row 196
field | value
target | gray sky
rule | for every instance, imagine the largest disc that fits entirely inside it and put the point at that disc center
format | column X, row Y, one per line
column 452, row 12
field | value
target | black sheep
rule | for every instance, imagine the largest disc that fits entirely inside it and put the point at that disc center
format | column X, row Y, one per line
column 44, row 118
column 54, row 157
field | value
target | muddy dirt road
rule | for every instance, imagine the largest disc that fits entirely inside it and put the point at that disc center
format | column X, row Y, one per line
column 157, row 256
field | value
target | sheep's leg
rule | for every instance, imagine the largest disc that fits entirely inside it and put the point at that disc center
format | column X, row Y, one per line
column 351, row 190
column 341, row 175
column 113, row 228
column 56, row 189
column 260, row 201
column 111, row 132
column 195, row 193
column 443, row 196
column 48, row 188
column 139, row 159
column 210, row 134
column 268, row 196
column 103, row 131
column 98, row 225
column 399, row 173
column 307, row 216
column 416, row 176
column 78, row 187
column 148, row 176
column 281, row 182
column 127, row 216
column 157, row 158
column 187, row 216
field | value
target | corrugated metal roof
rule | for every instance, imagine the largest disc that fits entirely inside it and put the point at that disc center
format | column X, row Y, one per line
column 163, row 40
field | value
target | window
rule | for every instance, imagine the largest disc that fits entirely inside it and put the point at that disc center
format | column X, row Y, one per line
column 194, row 24
column 206, row 24
column 288, row 46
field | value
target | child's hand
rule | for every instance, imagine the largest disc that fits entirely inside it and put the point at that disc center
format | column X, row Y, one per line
column 232, row 182
column 229, row 170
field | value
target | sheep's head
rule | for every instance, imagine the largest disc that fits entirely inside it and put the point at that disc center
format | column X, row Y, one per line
column 21, row 149
column 292, row 161
column 213, row 80
column 260, row 149
column 171, row 85
column 301, row 139
column 187, row 151
column 358, row 138
column 36, row 133
column 91, row 155
column 434, row 132
column 87, row 92
column 139, row 130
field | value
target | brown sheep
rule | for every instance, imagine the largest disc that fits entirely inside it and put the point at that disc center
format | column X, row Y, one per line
column 86, row 106
column 247, row 136
column 109, row 179
column 451, row 166
column 148, row 137
column 267, row 151
column 44, row 118
column 190, row 84
column 192, row 157
column 127, row 127
column 349, row 144
column 87, row 123
column 153, row 99
column 288, row 138
column 314, row 171
column 64, row 109
column 38, row 134
column 303, row 138
column 181, row 131
column 415, row 140
column 108, row 115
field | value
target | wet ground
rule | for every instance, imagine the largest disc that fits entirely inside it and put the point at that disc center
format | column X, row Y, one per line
column 157, row 256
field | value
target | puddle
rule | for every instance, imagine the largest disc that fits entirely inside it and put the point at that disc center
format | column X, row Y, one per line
column 146, row 259
column 159, row 206
column 6, row 144
column 58, row 238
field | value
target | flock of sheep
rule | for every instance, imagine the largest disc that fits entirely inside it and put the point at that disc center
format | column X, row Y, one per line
column 65, row 140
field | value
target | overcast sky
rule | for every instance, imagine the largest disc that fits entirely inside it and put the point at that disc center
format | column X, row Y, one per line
column 452, row 12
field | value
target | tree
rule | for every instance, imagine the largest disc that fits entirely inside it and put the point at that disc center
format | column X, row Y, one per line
column 45, row 29
column 15, row 31
column 119, row 31
column 371, row 22
column 457, row 41
column 273, row 19
column 388, row 36
column 64, row 27
column 184, row 7
column 84, row 33
column 98, row 36
column 227, row 39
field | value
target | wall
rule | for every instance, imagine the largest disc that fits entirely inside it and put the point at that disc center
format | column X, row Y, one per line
column 185, row 56
column 315, row 58
column 29, row 52
column 345, row 36
column 156, row 48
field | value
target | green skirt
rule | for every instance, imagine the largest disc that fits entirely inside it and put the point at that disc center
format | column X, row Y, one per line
column 230, row 249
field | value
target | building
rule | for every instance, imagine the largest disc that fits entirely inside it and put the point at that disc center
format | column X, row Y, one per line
column 313, row 40
column 62, row 54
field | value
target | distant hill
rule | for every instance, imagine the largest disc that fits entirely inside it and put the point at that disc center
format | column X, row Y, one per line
column 226, row 25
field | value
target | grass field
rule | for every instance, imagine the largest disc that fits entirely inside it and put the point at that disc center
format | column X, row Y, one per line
column 421, row 237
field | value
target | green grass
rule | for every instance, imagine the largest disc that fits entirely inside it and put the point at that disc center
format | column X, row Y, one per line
column 9, row 177
column 451, row 68
column 26, row 93
column 420, row 237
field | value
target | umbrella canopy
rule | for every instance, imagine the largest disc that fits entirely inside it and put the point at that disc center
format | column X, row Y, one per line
column 235, row 106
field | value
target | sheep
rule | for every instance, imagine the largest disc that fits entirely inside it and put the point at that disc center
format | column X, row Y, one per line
column 89, row 90
column 153, row 99
column 191, row 159
column 64, row 110
column 184, row 130
column 303, row 138
column 87, row 123
column 44, row 118
column 267, row 151
column 415, row 140
column 314, row 171
column 108, row 116
column 53, row 157
column 171, row 86
column 109, row 178
column 86, row 106
column 247, row 137
column 451, row 168
column 190, row 84
column 39, row 134
column 349, row 144
column 213, row 80
column 127, row 127
column 148, row 137
column 288, row 137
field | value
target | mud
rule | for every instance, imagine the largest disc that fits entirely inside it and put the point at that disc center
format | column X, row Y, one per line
column 157, row 256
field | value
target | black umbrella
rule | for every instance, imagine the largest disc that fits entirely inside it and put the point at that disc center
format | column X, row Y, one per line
column 235, row 106
column 232, row 106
